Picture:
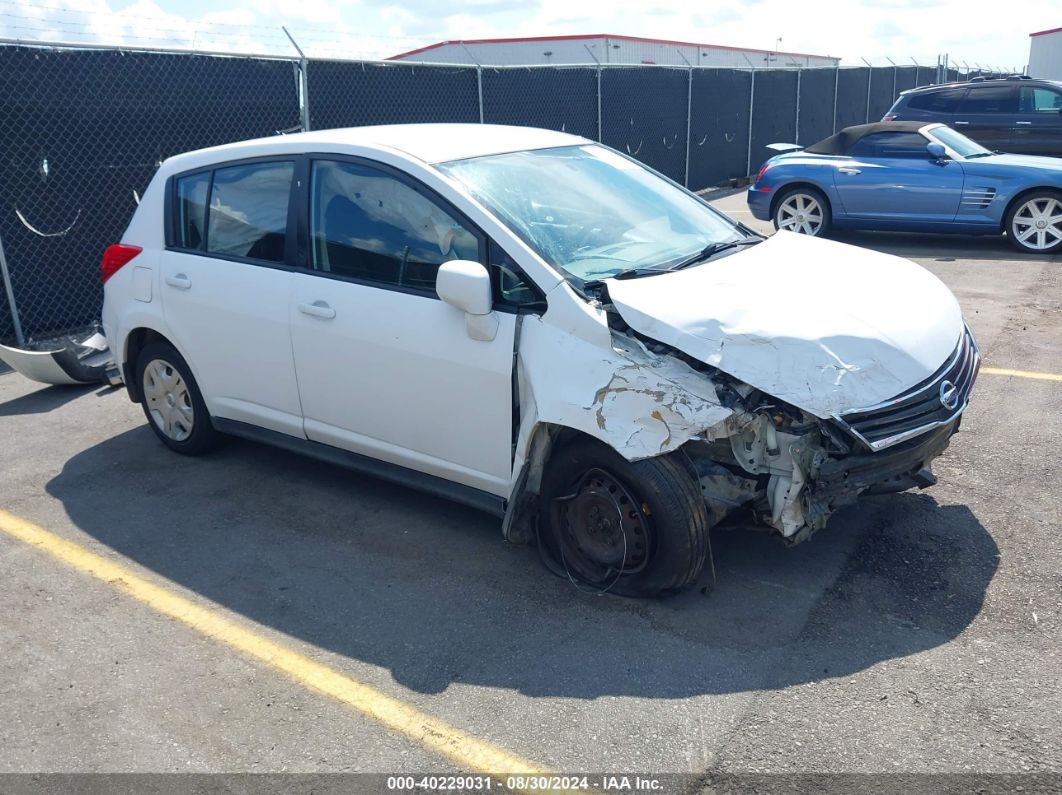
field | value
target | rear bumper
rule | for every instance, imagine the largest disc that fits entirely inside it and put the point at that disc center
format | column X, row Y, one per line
column 759, row 203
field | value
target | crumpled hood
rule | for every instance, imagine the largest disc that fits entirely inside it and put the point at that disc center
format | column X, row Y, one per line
column 824, row 326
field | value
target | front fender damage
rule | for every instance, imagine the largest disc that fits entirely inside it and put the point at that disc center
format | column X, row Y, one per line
column 750, row 452
column 640, row 403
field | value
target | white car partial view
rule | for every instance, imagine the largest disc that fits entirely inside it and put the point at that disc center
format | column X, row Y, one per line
column 536, row 325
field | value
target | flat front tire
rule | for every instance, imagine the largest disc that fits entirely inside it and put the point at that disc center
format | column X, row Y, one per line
column 172, row 401
column 631, row 528
column 805, row 211
column 1034, row 223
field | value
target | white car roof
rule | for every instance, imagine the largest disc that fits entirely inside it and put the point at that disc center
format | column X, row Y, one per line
column 431, row 143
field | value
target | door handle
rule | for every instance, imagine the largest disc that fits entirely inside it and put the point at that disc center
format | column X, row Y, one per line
column 849, row 170
column 180, row 281
column 318, row 309
column 964, row 123
column 1023, row 123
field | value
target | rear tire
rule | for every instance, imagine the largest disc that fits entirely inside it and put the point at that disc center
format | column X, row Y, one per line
column 172, row 401
column 805, row 211
column 1034, row 223
column 631, row 528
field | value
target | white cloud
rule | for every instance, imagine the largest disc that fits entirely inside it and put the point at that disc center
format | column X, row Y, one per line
column 974, row 30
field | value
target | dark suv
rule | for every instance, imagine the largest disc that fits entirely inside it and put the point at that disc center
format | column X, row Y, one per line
column 1010, row 114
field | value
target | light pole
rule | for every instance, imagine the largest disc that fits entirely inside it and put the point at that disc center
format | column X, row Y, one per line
column 773, row 56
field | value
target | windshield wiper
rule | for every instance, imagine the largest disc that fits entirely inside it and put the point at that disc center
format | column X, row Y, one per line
column 712, row 249
column 637, row 273
column 705, row 253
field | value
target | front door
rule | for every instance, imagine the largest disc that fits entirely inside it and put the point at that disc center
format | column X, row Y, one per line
column 385, row 368
column 891, row 176
column 1038, row 125
column 986, row 114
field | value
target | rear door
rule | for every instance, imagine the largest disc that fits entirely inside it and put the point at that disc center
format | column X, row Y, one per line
column 891, row 176
column 226, row 286
column 1038, row 126
column 986, row 114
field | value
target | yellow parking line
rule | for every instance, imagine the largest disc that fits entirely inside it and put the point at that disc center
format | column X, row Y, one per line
column 1022, row 373
column 466, row 751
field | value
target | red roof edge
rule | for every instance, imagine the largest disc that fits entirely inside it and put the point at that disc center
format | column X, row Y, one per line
column 587, row 36
column 1045, row 32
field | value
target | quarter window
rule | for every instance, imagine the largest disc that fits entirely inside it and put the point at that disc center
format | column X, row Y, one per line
column 943, row 101
column 191, row 210
column 367, row 224
column 248, row 213
column 991, row 99
column 511, row 287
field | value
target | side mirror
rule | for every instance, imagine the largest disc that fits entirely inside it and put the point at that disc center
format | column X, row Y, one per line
column 937, row 151
column 465, row 285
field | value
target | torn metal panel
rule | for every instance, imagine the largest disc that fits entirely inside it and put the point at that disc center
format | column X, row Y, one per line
column 820, row 325
column 639, row 403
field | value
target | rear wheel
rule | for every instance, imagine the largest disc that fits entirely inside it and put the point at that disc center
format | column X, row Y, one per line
column 172, row 402
column 803, row 210
column 632, row 528
column 1034, row 223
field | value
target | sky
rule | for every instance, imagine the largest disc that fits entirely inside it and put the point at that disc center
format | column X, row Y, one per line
column 973, row 31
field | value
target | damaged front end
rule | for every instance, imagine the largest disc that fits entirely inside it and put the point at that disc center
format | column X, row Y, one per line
column 790, row 470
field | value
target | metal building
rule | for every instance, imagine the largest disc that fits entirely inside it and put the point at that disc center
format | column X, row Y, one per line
column 1045, row 54
column 605, row 48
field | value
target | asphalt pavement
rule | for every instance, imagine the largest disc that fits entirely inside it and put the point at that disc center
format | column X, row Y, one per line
column 917, row 633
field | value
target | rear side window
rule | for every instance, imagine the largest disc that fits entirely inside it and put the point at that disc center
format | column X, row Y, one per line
column 367, row 224
column 899, row 144
column 248, row 212
column 944, row 101
column 191, row 210
column 991, row 99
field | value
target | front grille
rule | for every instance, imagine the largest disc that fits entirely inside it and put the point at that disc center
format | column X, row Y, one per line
column 922, row 408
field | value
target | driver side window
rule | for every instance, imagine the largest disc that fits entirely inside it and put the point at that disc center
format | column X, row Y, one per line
column 909, row 146
column 1036, row 99
column 369, row 225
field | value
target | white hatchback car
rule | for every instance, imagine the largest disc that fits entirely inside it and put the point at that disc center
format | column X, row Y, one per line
column 536, row 325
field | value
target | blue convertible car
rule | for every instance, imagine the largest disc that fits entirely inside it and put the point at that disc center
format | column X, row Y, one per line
column 911, row 176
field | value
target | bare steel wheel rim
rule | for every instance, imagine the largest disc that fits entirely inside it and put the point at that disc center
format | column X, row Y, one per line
column 1037, row 224
column 800, row 213
column 603, row 531
column 168, row 400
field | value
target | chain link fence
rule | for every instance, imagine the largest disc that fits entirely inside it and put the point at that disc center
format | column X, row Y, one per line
column 83, row 130
column 81, row 134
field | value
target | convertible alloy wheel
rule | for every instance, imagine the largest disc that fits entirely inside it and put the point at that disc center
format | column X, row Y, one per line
column 168, row 401
column 800, row 212
column 1036, row 225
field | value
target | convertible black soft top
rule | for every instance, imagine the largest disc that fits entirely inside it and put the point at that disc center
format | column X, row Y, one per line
column 841, row 143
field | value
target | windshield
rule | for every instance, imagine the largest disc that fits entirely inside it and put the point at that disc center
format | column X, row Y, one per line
column 591, row 212
column 957, row 142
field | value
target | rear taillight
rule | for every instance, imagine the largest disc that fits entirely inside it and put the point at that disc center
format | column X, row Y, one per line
column 762, row 171
column 889, row 117
column 115, row 257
